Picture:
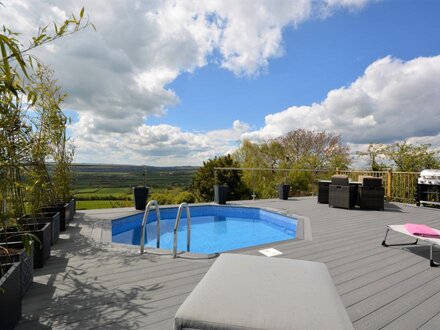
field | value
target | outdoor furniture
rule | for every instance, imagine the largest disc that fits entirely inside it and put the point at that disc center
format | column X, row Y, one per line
column 342, row 193
column 419, row 232
column 250, row 292
column 371, row 194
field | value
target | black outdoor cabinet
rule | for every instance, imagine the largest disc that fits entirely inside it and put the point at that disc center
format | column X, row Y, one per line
column 371, row 194
column 342, row 196
column 428, row 194
column 323, row 191
column 140, row 197
column 341, row 193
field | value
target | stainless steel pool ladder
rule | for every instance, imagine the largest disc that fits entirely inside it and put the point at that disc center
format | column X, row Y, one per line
column 144, row 223
column 176, row 226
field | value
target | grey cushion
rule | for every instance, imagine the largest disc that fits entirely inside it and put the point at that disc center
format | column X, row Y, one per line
column 372, row 182
column 340, row 180
column 249, row 292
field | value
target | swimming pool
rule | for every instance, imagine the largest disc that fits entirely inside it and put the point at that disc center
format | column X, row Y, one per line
column 213, row 228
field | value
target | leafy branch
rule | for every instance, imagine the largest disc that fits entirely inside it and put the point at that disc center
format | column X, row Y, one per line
column 69, row 27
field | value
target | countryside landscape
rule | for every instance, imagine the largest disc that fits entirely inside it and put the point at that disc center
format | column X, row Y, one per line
column 107, row 186
column 187, row 164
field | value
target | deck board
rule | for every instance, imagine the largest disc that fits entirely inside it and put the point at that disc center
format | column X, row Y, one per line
column 90, row 283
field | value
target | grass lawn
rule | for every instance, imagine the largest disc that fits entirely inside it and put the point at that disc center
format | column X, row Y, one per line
column 99, row 198
column 102, row 204
column 120, row 193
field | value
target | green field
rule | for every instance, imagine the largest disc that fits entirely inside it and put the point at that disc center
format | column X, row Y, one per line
column 90, row 205
column 111, row 176
column 109, row 186
column 115, row 193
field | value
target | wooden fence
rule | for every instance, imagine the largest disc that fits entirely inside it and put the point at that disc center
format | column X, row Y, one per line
column 399, row 186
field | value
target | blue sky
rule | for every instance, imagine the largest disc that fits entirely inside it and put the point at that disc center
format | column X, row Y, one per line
column 177, row 82
column 320, row 55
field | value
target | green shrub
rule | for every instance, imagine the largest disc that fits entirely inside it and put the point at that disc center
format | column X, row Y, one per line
column 162, row 198
column 184, row 196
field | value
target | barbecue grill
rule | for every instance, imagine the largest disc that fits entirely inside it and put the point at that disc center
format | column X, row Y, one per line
column 428, row 187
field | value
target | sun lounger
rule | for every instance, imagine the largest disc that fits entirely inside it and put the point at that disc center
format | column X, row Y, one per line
column 419, row 232
column 250, row 292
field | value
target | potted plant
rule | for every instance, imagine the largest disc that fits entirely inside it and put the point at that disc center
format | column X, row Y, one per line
column 52, row 217
column 41, row 234
column 49, row 185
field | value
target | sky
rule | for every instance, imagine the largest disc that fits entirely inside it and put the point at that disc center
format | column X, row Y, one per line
column 179, row 82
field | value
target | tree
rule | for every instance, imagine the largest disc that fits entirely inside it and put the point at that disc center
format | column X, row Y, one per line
column 402, row 156
column 314, row 150
column 374, row 153
column 412, row 158
column 299, row 149
column 205, row 179
column 268, row 155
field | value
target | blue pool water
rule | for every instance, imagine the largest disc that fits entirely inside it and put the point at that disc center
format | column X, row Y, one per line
column 213, row 228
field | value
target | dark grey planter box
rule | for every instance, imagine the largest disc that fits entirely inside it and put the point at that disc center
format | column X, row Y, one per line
column 41, row 249
column 283, row 191
column 68, row 215
column 27, row 263
column 72, row 207
column 62, row 210
column 221, row 194
column 52, row 217
column 10, row 298
column 140, row 197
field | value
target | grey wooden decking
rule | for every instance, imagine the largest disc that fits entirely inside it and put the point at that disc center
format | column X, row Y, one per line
column 90, row 283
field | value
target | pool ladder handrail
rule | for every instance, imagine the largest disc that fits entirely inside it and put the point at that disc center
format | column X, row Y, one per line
column 176, row 226
column 144, row 223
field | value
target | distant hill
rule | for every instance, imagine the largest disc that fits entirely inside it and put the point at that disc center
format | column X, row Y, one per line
column 104, row 175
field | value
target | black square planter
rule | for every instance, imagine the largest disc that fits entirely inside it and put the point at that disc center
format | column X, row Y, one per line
column 41, row 249
column 70, row 210
column 10, row 297
column 52, row 217
column 283, row 191
column 27, row 263
column 72, row 207
column 221, row 194
column 68, row 215
column 64, row 222
column 140, row 197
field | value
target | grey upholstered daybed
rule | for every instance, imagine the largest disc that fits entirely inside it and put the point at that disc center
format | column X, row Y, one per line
column 249, row 292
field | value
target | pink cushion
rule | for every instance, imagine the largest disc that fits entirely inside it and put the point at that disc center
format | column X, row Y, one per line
column 421, row 230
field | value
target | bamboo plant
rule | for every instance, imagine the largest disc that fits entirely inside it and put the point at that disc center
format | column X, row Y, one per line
column 32, row 125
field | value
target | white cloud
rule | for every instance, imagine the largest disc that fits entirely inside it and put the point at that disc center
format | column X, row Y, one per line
column 393, row 100
column 155, row 145
column 118, row 76
column 141, row 46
